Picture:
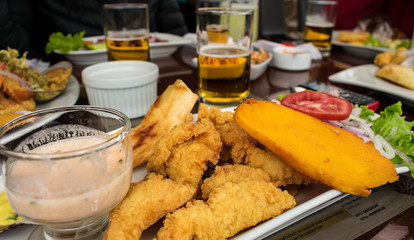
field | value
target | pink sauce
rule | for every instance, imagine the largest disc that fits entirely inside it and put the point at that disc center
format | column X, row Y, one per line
column 70, row 189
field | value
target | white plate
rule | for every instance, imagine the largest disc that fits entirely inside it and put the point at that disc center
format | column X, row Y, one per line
column 359, row 50
column 364, row 76
column 309, row 199
column 165, row 49
column 67, row 98
column 157, row 49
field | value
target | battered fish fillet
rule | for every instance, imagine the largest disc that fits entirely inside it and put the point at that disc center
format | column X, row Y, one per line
column 173, row 107
column 9, row 105
column 232, row 173
column 243, row 148
column 145, row 203
column 183, row 154
column 229, row 209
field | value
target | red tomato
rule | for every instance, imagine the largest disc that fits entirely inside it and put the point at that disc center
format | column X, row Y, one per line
column 318, row 104
column 288, row 44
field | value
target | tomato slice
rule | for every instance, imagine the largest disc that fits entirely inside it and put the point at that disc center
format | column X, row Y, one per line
column 288, row 44
column 318, row 104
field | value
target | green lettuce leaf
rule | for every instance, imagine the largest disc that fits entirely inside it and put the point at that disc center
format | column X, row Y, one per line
column 65, row 44
column 393, row 127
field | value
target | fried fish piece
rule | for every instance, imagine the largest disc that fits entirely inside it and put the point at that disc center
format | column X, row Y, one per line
column 184, row 154
column 398, row 74
column 232, row 173
column 146, row 202
column 15, row 89
column 323, row 152
column 173, row 107
column 390, row 57
column 10, row 105
column 242, row 148
column 229, row 209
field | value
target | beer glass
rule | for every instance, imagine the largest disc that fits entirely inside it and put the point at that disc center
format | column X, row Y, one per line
column 319, row 24
column 224, row 44
column 126, row 28
column 213, row 3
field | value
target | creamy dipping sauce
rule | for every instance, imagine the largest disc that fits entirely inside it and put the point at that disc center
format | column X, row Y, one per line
column 70, row 189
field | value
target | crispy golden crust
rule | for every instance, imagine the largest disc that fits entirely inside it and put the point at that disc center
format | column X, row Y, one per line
column 229, row 209
column 173, row 107
column 347, row 36
column 390, row 57
column 328, row 154
column 184, row 153
column 145, row 203
column 240, row 147
column 9, row 105
column 13, row 89
column 398, row 74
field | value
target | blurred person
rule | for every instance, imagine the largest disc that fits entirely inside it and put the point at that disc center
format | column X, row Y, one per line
column 398, row 12
column 73, row 16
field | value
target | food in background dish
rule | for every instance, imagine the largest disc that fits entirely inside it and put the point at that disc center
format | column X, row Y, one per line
column 353, row 37
column 173, row 107
column 65, row 43
column 390, row 57
column 259, row 56
column 328, row 154
column 392, row 70
column 398, row 74
column 30, row 81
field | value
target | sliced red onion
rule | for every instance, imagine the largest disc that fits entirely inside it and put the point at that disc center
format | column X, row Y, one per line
column 403, row 156
column 392, row 134
column 384, row 147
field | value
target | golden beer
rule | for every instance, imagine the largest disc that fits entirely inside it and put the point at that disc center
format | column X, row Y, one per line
column 217, row 33
column 319, row 35
column 131, row 48
column 224, row 74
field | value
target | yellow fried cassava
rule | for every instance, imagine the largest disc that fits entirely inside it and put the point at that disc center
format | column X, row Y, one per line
column 328, row 154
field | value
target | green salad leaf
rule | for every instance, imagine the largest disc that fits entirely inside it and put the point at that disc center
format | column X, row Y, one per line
column 64, row 43
column 393, row 127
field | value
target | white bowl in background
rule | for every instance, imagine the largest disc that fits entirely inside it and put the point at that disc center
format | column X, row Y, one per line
column 256, row 70
column 128, row 86
column 291, row 58
column 161, row 49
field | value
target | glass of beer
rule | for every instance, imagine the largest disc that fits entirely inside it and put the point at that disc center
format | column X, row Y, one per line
column 319, row 24
column 126, row 28
column 224, row 45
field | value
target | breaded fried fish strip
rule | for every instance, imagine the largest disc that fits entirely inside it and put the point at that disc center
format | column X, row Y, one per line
column 245, row 149
column 184, row 154
column 229, row 209
column 232, row 173
column 146, row 202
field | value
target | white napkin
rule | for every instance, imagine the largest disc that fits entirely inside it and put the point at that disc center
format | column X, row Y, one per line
column 269, row 45
column 192, row 37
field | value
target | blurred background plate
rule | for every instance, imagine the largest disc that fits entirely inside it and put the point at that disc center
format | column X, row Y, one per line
column 364, row 76
column 167, row 44
column 67, row 98
column 358, row 50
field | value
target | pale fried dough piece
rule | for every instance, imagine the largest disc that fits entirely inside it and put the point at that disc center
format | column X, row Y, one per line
column 173, row 107
column 242, row 148
column 398, row 74
column 232, row 173
column 229, row 209
column 146, row 202
column 184, row 153
column 9, row 105
column 323, row 152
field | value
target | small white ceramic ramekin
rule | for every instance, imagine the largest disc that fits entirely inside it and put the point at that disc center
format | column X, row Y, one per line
column 128, row 86
column 291, row 58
